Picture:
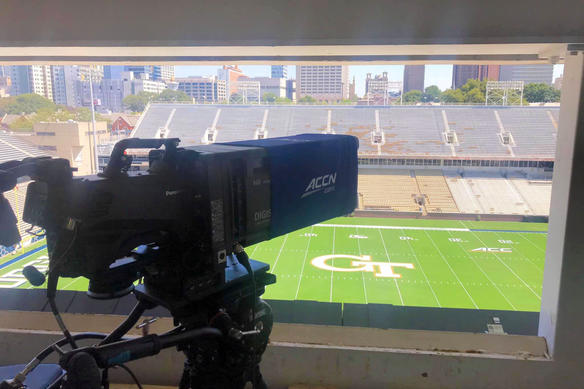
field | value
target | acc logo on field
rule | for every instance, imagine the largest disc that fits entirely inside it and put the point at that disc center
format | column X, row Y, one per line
column 361, row 263
column 492, row 250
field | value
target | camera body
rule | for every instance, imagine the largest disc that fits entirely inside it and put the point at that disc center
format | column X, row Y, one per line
column 192, row 206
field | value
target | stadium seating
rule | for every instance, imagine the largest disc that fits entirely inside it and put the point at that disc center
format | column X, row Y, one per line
column 408, row 131
column 537, row 194
column 16, row 147
column 359, row 122
column 433, row 187
column 532, row 130
column 238, row 123
column 488, row 193
column 412, row 131
column 394, row 190
column 16, row 199
column 477, row 132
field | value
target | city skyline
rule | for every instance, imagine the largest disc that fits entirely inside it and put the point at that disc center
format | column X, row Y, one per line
column 439, row 75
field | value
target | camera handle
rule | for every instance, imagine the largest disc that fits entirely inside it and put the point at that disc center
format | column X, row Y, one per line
column 116, row 162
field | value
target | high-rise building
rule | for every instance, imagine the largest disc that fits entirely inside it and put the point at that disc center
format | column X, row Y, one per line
column 68, row 82
column 376, row 86
column 414, row 77
column 322, row 82
column 113, row 72
column 153, row 72
column 203, row 89
column 462, row 73
column 291, row 90
column 279, row 71
column 277, row 86
column 230, row 74
column 528, row 73
column 352, row 93
column 31, row 79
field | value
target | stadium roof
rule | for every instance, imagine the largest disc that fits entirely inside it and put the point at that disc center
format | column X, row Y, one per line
column 416, row 131
column 16, row 147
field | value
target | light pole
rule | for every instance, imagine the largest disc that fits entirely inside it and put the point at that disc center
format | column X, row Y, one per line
column 96, row 160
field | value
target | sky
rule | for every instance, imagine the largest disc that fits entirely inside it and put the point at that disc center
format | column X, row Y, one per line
column 440, row 75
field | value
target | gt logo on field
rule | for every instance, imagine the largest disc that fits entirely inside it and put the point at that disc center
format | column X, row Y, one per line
column 361, row 263
column 492, row 250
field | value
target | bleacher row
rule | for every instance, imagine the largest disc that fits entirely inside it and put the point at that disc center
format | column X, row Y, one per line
column 415, row 130
column 429, row 191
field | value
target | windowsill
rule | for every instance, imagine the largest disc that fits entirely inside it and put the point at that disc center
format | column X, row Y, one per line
column 460, row 344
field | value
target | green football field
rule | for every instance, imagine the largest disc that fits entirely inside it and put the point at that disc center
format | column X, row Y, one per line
column 430, row 263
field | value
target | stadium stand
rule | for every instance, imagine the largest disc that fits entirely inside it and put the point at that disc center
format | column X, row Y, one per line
column 394, row 190
column 413, row 131
column 433, row 187
column 238, row 123
column 466, row 176
column 488, row 193
column 408, row 131
column 16, row 147
column 532, row 130
column 537, row 194
column 477, row 131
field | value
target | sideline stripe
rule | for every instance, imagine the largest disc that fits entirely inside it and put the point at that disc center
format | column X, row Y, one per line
column 394, row 227
column 426, row 228
column 22, row 256
column 518, row 231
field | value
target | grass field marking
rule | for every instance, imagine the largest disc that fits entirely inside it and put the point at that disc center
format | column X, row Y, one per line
column 332, row 271
column 280, row 252
column 303, row 263
column 452, row 270
column 533, row 244
column 389, row 260
column 488, row 278
column 394, row 227
column 539, row 269
column 362, row 275
column 423, row 272
column 511, row 270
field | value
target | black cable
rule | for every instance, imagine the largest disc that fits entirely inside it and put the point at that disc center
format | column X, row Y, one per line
column 127, row 325
column 51, row 292
column 242, row 257
column 131, row 373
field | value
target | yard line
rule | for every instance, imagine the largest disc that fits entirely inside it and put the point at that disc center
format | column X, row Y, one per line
column 332, row 272
column 423, row 272
column 279, row 253
column 362, row 273
column 525, row 256
column 70, row 283
column 388, row 260
column 303, row 263
column 394, row 227
column 450, row 267
column 485, row 274
column 511, row 270
column 533, row 244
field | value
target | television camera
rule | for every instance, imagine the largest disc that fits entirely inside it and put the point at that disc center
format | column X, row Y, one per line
column 174, row 236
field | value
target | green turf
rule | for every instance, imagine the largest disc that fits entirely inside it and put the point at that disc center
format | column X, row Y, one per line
column 446, row 271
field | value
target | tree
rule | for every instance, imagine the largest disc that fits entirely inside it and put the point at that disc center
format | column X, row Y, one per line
column 173, row 95
column 26, row 103
column 269, row 97
column 540, row 93
column 474, row 91
column 307, row 100
column 283, row 100
column 431, row 94
column 413, row 96
column 137, row 103
column 452, row 96
column 474, row 96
